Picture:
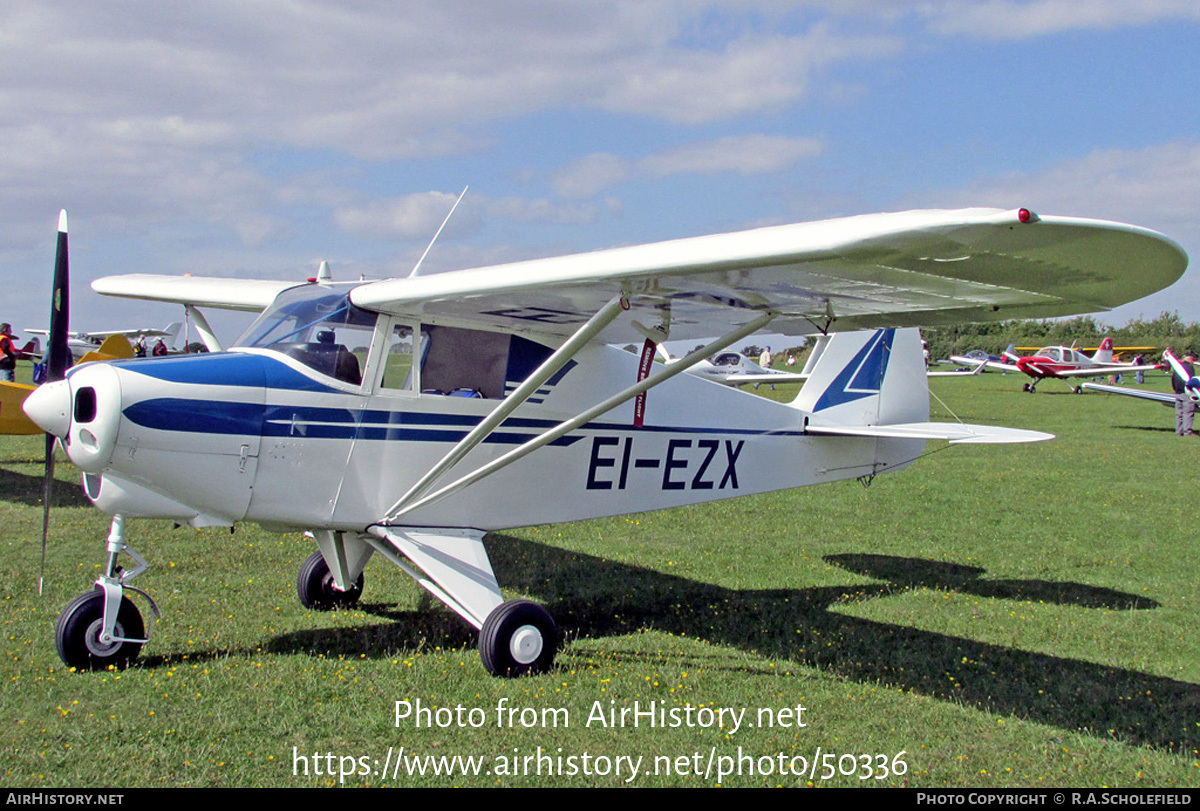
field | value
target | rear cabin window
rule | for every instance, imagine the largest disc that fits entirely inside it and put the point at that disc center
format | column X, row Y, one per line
column 456, row 362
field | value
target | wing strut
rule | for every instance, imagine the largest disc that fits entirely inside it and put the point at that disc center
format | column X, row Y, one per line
column 563, row 428
column 506, row 406
column 206, row 333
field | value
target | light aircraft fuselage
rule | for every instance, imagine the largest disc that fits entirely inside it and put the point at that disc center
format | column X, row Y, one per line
column 270, row 433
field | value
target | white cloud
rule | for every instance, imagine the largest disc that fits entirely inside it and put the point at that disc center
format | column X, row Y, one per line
column 1014, row 19
column 753, row 73
column 376, row 81
column 591, row 175
column 409, row 217
column 416, row 217
column 742, row 154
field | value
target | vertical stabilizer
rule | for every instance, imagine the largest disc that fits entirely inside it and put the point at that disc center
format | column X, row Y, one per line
column 869, row 378
column 1105, row 353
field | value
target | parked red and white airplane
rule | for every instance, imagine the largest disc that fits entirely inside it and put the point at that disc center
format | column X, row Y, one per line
column 1061, row 363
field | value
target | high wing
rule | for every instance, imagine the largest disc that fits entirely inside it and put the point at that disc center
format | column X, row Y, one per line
column 908, row 268
column 1156, row 396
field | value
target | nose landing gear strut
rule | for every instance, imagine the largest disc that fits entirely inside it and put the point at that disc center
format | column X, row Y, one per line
column 104, row 628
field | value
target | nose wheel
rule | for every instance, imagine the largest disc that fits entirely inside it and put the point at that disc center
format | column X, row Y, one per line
column 316, row 588
column 518, row 638
column 80, row 639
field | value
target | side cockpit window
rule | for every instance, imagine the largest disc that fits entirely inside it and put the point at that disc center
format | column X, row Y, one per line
column 318, row 327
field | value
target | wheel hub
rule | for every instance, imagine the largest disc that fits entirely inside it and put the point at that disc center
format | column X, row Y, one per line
column 93, row 643
column 526, row 644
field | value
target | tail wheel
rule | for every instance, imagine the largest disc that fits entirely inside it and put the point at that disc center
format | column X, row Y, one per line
column 317, row 590
column 518, row 638
column 77, row 634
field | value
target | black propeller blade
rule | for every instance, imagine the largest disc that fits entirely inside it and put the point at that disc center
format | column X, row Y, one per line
column 58, row 360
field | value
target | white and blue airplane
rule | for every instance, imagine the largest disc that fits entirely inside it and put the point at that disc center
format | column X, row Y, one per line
column 409, row 417
column 735, row 369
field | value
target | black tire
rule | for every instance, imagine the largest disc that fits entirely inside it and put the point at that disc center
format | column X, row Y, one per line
column 317, row 592
column 77, row 634
column 518, row 638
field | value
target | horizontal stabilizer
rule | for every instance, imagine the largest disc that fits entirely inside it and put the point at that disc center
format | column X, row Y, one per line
column 956, row 432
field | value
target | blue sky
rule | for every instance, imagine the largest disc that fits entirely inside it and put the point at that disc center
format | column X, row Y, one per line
column 255, row 139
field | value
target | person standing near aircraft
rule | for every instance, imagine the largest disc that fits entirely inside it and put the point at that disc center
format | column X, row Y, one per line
column 160, row 349
column 8, row 354
column 764, row 360
column 1185, row 407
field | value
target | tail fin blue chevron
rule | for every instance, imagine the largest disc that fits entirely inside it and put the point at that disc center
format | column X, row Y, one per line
column 869, row 378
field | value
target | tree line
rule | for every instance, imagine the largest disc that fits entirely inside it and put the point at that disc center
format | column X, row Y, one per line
column 1167, row 330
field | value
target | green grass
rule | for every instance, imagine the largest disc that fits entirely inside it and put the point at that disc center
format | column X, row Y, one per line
column 1004, row 616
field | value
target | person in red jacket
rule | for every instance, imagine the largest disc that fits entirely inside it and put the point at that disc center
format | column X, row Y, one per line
column 8, row 354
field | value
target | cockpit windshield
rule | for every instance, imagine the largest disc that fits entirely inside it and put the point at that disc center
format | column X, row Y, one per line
column 318, row 327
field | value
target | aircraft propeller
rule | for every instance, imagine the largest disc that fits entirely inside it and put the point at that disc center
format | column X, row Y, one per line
column 58, row 360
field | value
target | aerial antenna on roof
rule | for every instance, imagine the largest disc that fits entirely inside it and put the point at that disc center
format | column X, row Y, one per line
column 417, row 267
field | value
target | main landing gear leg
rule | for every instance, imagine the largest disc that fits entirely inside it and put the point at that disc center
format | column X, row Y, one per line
column 516, row 638
column 103, row 628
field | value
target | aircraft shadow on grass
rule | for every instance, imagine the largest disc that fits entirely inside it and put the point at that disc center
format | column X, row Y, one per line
column 20, row 488
column 594, row 597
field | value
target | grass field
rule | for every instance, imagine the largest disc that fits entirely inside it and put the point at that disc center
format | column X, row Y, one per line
column 1019, row 616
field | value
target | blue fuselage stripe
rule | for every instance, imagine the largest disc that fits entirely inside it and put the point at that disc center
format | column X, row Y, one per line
column 251, row 419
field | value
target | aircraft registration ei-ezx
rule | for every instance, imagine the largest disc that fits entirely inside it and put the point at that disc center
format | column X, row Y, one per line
column 408, row 417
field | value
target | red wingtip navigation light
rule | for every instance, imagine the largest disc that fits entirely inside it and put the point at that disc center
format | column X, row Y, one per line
column 1026, row 216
